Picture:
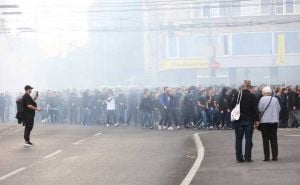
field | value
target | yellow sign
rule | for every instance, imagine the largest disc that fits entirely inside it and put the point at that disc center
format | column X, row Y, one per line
column 281, row 49
column 183, row 64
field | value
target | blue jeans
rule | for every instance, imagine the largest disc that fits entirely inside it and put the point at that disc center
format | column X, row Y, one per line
column 203, row 118
column 147, row 119
column 211, row 116
column 243, row 128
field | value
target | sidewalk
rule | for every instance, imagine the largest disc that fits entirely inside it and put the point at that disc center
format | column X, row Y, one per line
column 219, row 166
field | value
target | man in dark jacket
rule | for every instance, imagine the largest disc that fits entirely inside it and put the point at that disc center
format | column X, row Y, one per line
column 2, row 108
column 245, row 125
column 174, row 110
column 294, row 108
column 224, row 106
column 165, row 103
column 284, row 113
column 121, row 106
column 146, row 106
column 188, row 108
column 132, row 112
column 30, row 107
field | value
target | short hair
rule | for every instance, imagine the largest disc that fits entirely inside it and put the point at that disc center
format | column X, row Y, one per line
column 146, row 90
column 247, row 84
column 267, row 90
column 165, row 88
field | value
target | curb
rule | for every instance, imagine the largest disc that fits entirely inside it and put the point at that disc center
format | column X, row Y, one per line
column 200, row 155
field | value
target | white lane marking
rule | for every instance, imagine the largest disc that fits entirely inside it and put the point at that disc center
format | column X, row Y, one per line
column 292, row 135
column 200, row 155
column 53, row 154
column 97, row 134
column 79, row 142
column 18, row 130
column 12, row 173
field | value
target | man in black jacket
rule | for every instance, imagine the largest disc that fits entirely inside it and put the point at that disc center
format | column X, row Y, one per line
column 30, row 107
column 294, row 108
column 146, row 106
column 245, row 124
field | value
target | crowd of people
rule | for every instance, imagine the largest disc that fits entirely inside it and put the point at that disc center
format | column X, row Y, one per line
column 5, row 106
column 162, row 108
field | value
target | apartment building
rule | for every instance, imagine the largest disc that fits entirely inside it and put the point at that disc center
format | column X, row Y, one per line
column 222, row 42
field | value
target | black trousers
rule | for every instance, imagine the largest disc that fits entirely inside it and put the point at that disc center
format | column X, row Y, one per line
column 111, row 117
column 28, row 129
column 269, row 136
column 28, row 123
column 164, row 120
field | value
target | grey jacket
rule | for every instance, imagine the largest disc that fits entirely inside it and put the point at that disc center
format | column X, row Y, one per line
column 272, row 113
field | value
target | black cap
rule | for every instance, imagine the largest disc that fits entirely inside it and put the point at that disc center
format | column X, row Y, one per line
column 27, row 87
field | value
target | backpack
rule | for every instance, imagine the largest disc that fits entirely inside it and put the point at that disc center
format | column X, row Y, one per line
column 20, row 110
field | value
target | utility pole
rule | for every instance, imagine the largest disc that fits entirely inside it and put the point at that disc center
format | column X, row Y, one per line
column 212, row 54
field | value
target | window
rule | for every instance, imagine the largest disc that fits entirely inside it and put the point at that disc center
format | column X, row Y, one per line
column 214, row 9
column 172, row 47
column 252, row 44
column 284, row 7
column 211, row 10
column 196, row 11
column 289, row 6
column 292, row 42
column 279, row 7
column 265, row 7
column 236, row 8
column 223, row 10
column 206, row 11
column 225, row 44
column 193, row 47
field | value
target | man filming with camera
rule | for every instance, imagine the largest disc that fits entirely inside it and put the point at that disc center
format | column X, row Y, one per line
column 30, row 107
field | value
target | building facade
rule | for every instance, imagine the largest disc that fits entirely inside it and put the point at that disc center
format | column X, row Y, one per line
column 222, row 42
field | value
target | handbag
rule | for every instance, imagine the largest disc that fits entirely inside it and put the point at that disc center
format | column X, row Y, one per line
column 236, row 111
column 262, row 114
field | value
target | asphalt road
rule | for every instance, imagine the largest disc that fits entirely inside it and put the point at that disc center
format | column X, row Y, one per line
column 71, row 155
column 76, row 155
column 219, row 166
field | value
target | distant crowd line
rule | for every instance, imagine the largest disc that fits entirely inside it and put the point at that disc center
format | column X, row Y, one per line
column 162, row 108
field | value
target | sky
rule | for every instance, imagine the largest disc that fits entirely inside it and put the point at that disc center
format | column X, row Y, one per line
column 59, row 28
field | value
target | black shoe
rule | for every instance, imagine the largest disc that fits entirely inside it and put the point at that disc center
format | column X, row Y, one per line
column 274, row 159
column 240, row 161
column 266, row 160
column 249, row 161
column 28, row 143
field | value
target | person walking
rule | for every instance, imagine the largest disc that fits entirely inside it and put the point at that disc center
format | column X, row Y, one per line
column 284, row 113
column 146, row 106
column 245, row 124
column 294, row 108
column 269, row 109
column 111, row 108
column 30, row 106
column 224, row 106
column 202, row 107
column 165, row 103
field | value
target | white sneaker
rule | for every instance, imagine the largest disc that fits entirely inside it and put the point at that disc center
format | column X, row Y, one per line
column 170, row 128
column 117, row 124
column 107, row 125
column 28, row 143
column 164, row 127
column 159, row 127
column 178, row 127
